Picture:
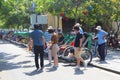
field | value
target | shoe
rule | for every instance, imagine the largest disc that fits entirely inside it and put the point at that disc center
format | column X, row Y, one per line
column 49, row 64
column 85, row 64
column 77, row 67
column 102, row 59
column 41, row 68
column 37, row 69
column 54, row 66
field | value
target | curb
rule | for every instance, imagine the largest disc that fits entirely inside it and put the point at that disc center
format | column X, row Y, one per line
column 110, row 70
column 17, row 43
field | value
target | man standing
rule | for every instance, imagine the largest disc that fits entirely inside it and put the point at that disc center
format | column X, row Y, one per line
column 38, row 40
column 101, row 42
column 78, row 45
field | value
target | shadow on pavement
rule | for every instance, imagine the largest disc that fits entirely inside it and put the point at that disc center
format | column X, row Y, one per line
column 78, row 72
column 4, row 61
column 24, row 62
column 51, row 69
column 5, row 64
column 27, row 66
column 34, row 72
column 8, row 66
column 5, row 56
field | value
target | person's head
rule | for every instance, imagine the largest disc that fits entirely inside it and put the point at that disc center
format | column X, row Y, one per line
column 98, row 28
column 50, row 29
column 37, row 27
column 40, row 27
column 76, row 29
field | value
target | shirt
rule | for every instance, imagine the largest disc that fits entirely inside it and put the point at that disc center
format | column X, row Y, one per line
column 81, row 30
column 47, row 36
column 54, row 38
column 36, row 36
column 77, row 40
column 100, row 36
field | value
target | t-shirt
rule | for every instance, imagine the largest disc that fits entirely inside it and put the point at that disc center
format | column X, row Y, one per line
column 36, row 36
column 81, row 30
column 100, row 36
column 77, row 39
column 47, row 36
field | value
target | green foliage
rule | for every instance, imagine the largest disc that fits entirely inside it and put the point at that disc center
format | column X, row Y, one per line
column 16, row 12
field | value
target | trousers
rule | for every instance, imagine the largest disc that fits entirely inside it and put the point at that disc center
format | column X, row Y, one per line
column 39, row 53
column 101, row 51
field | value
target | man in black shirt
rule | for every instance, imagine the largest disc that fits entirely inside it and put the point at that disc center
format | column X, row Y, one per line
column 78, row 45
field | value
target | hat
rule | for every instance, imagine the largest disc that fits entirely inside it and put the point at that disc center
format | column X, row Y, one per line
column 50, row 27
column 77, row 24
column 98, row 27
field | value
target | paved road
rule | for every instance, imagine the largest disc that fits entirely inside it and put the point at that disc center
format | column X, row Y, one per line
column 17, row 64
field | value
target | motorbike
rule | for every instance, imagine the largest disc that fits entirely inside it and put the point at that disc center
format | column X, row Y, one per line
column 112, row 41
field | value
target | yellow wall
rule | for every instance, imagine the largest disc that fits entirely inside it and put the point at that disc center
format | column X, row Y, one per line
column 53, row 21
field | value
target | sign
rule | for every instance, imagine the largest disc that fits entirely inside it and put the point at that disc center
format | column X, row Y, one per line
column 38, row 19
column 42, row 19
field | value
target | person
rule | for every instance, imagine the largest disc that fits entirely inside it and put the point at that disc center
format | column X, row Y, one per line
column 80, row 29
column 38, row 41
column 60, row 38
column 54, row 47
column 101, row 34
column 48, row 36
column 78, row 46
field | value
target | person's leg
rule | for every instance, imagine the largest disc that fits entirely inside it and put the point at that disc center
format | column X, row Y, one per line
column 77, row 58
column 36, row 56
column 78, row 61
column 49, row 56
column 99, row 51
column 102, row 52
column 54, row 53
column 41, row 57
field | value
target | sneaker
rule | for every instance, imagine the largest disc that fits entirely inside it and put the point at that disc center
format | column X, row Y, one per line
column 38, row 69
column 85, row 64
column 77, row 67
column 54, row 66
column 41, row 69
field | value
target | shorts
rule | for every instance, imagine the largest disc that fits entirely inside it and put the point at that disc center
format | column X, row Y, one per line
column 54, row 50
column 78, row 53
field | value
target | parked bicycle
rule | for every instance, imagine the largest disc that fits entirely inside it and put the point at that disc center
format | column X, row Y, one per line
column 68, row 52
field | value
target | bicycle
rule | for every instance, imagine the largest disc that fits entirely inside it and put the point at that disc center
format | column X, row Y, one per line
column 86, row 53
column 94, row 49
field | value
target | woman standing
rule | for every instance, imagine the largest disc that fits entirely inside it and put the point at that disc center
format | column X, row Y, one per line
column 54, row 47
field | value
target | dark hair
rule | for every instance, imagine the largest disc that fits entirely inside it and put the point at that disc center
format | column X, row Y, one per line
column 38, row 26
column 76, row 28
column 51, row 30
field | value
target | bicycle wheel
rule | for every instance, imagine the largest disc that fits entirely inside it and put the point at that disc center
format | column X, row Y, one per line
column 67, row 51
column 86, row 55
column 60, row 52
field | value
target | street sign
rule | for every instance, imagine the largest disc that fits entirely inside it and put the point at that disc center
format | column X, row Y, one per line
column 42, row 19
column 38, row 19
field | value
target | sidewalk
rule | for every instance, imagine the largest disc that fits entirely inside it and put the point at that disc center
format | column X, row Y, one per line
column 111, row 64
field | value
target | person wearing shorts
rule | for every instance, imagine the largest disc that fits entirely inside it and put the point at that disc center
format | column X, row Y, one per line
column 54, row 47
column 77, row 46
